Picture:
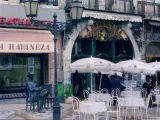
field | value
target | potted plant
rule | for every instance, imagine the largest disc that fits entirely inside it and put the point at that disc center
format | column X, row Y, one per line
column 68, row 94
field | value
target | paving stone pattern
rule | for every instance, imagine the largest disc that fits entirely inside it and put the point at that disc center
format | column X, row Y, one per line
column 152, row 116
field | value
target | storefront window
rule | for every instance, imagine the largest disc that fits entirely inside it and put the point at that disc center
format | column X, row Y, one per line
column 149, row 10
column 14, row 70
column 149, row 7
column 114, row 5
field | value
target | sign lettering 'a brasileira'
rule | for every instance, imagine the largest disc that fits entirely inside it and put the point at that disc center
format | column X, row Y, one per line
column 111, row 16
column 26, row 47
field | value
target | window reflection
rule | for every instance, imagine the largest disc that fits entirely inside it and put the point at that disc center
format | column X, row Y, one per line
column 149, row 7
column 113, row 5
column 13, row 72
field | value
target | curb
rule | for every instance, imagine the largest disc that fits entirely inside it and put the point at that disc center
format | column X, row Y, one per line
column 29, row 116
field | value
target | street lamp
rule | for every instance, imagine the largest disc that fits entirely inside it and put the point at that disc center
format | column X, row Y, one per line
column 76, row 10
column 31, row 8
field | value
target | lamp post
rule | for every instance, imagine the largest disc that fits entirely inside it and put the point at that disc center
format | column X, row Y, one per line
column 76, row 10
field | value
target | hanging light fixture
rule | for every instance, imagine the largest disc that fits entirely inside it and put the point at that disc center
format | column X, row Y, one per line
column 76, row 9
column 31, row 8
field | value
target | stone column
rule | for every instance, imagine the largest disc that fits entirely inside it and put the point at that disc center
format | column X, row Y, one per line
column 127, row 30
column 68, row 46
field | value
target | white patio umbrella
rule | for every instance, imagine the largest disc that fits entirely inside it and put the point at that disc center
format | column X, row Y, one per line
column 134, row 66
column 90, row 65
column 156, row 66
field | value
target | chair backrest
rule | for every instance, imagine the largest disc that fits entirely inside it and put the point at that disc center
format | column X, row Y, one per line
column 95, row 91
column 144, row 93
column 128, row 89
column 104, row 90
column 85, row 94
column 75, row 103
column 48, row 87
column 126, row 93
column 153, row 94
column 116, row 92
column 147, row 100
column 113, row 105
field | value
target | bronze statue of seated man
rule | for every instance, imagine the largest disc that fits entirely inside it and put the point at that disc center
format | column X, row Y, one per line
column 36, row 93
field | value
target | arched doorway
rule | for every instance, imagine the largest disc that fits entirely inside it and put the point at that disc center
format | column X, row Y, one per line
column 97, row 40
column 84, row 27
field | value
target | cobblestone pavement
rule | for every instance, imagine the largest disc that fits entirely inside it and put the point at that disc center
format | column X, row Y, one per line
column 152, row 116
column 12, row 109
column 14, row 117
column 7, row 112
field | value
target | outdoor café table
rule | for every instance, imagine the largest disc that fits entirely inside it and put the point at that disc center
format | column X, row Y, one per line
column 157, row 101
column 91, row 107
column 131, row 102
column 100, row 97
column 128, row 102
column 158, row 98
column 135, row 94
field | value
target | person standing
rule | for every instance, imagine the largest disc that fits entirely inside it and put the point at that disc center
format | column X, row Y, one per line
column 114, row 82
column 76, row 83
column 97, row 81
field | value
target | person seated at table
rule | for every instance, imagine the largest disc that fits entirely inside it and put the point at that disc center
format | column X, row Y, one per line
column 106, row 83
column 147, row 86
column 121, row 86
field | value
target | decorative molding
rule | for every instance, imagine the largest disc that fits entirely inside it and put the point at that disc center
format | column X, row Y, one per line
column 104, row 31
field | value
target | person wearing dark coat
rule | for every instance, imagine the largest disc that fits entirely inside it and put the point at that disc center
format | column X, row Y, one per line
column 147, row 86
column 114, row 82
column 106, row 83
column 76, row 82
column 97, row 81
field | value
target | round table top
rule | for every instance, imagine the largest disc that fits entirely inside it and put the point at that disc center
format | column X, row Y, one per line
column 92, row 107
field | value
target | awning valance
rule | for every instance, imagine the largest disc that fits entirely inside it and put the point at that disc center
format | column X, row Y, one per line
column 25, row 41
column 111, row 16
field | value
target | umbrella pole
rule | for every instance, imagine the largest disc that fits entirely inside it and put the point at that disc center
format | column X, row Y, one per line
column 156, row 80
column 91, row 82
column 100, row 83
column 131, row 81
